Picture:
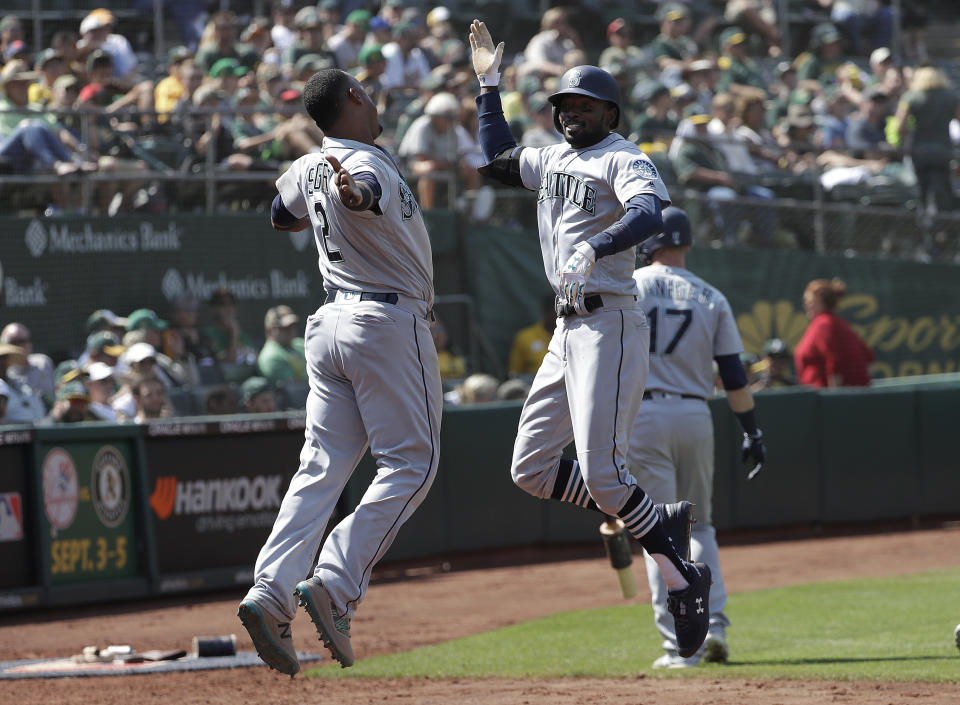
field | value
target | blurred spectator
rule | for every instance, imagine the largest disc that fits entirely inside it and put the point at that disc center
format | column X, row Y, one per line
column 924, row 114
column 795, row 137
column 148, row 321
column 72, row 405
column 229, row 343
column 673, row 48
column 529, row 345
column 257, row 35
column 825, row 55
column 542, row 132
column 210, row 129
column 101, row 386
column 372, row 68
column 452, row 365
column 67, row 371
column 330, row 13
column 830, row 353
column 513, row 390
column 407, row 63
column 753, row 130
column 105, row 319
column 220, row 400
column 309, row 64
column 433, row 148
column 380, row 30
column 440, row 37
column 171, row 89
column 282, row 32
column 23, row 404
column 429, row 87
column 64, row 42
column 478, row 388
column 657, row 124
column 703, row 76
column 545, row 51
column 865, row 131
column 11, row 30
column 310, row 39
column 738, row 71
column 700, row 164
column 96, row 33
column 781, row 90
column 623, row 53
column 775, row 367
column 183, row 325
column 392, row 11
column 150, row 398
column 760, row 16
column 220, row 42
column 257, row 396
column 103, row 346
column 282, row 358
column 347, row 43
column 50, row 66
column 834, row 122
column 855, row 18
column 37, row 370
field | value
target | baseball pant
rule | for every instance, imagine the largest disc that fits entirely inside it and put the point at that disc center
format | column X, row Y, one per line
column 671, row 455
column 588, row 390
column 374, row 380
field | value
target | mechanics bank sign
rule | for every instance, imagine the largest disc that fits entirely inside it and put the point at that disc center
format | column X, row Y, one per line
column 53, row 238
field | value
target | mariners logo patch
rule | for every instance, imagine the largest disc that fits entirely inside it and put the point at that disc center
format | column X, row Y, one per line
column 575, row 78
column 644, row 169
column 407, row 203
column 110, row 486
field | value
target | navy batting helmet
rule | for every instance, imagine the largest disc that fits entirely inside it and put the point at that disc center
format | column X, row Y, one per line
column 676, row 233
column 590, row 81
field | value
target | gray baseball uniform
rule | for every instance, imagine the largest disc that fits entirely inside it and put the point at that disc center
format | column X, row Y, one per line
column 374, row 380
column 671, row 445
column 589, row 387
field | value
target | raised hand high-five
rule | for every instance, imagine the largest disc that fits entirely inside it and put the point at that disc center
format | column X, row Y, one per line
column 486, row 56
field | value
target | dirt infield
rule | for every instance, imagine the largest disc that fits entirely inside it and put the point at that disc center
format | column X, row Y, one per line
column 427, row 607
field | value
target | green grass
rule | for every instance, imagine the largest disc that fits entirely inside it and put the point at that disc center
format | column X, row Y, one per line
column 896, row 629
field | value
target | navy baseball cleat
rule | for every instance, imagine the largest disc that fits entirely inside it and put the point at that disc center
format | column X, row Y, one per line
column 690, row 608
column 677, row 519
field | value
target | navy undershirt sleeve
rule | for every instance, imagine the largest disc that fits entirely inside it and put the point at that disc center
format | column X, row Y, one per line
column 731, row 371
column 494, row 133
column 280, row 215
column 643, row 219
column 370, row 179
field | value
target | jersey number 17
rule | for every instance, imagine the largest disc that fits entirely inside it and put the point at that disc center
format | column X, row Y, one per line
column 653, row 315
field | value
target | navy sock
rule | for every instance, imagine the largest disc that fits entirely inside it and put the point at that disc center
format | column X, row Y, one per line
column 642, row 520
column 570, row 487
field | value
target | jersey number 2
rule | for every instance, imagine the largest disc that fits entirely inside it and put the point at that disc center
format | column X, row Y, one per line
column 654, row 315
column 333, row 253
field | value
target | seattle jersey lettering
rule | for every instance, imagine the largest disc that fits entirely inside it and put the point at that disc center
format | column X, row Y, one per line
column 569, row 187
column 318, row 178
column 673, row 289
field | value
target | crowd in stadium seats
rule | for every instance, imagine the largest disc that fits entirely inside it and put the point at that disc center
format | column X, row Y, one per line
column 707, row 91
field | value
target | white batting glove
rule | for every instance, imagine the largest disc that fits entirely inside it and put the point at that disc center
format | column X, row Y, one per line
column 486, row 58
column 574, row 275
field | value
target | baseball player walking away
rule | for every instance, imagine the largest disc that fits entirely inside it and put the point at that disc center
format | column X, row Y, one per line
column 374, row 377
column 671, row 446
column 589, row 387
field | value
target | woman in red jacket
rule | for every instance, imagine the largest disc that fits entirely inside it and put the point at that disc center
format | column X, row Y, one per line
column 830, row 354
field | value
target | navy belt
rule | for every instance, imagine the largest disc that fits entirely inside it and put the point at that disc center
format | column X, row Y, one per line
column 648, row 395
column 371, row 296
column 590, row 303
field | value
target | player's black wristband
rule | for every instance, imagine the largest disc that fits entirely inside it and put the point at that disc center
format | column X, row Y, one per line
column 748, row 421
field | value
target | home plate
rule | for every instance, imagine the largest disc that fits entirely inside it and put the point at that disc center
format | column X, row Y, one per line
column 64, row 667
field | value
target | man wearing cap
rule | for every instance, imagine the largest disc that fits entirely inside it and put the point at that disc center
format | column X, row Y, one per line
column 543, row 55
column 346, row 43
column 310, row 39
column 170, row 89
column 673, row 47
column 656, row 123
column 407, row 63
column 865, row 135
column 257, row 396
column 281, row 33
column 96, row 33
column 229, row 342
column 623, row 52
column 23, row 404
column 225, row 44
column 282, row 358
column 50, row 66
column 372, row 67
column 10, row 31
column 738, row 71
column 775, row 368
column 147, row 320
column 37, row 372
column 824, row 57
column 433, row 147
column 102, row 346
column 72, row 405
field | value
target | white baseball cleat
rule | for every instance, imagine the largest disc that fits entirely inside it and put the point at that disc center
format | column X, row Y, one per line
column 676, row 661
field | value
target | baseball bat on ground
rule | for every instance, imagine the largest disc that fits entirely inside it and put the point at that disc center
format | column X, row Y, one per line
column 616, row 542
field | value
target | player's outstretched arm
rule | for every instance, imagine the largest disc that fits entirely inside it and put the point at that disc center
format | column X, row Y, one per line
column 283, row 220
column 355, row 195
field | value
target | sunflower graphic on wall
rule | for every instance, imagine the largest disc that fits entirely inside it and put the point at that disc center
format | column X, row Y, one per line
column 780, row 319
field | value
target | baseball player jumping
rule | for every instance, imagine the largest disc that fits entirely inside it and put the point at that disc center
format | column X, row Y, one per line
column 671, row 446
column 589, row 387
column 374, row 377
